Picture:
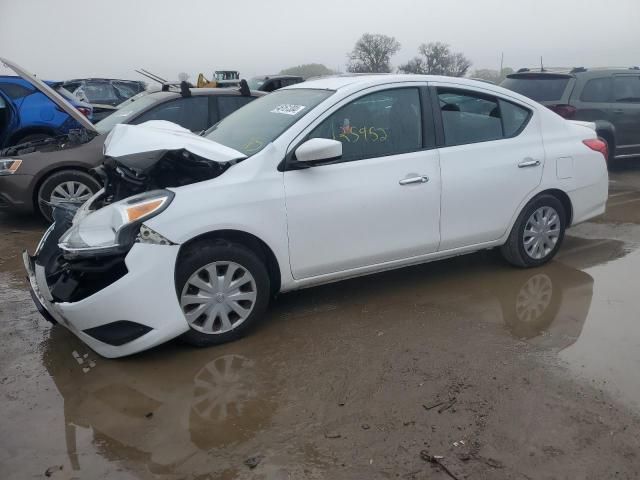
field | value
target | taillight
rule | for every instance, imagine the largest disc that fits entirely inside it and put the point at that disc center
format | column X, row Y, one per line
column 85, row 111
column 565, row 111
column 598, row 145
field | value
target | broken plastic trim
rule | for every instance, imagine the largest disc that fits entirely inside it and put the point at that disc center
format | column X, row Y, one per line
column 150, row 236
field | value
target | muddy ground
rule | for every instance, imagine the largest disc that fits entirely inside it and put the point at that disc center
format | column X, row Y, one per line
column 505, row 373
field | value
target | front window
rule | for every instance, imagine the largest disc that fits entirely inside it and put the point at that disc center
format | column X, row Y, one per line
column 383, row 123
column 126, row 112
column 626, row 89
column 259, row 123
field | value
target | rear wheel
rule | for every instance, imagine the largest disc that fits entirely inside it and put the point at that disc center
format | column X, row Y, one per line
column 537, row 233
column 223, row 290
column 67, row 186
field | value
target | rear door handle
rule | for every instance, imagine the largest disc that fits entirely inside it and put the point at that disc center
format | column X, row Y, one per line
column 412, row 180
column 529, row 162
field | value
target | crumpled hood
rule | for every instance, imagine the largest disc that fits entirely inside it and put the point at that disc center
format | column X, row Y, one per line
column 141, row 146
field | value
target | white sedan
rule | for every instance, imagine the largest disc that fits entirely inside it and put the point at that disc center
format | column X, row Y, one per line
column 325, row 180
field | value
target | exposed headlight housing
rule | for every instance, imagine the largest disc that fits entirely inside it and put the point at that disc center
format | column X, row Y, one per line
column 112, row 230
column 9, row 166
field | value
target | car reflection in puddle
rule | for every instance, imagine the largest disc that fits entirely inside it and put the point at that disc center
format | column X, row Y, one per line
column 155, row 413
column 174, row 410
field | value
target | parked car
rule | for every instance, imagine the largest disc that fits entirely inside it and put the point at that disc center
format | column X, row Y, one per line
column 105, row 91
column 269, row 83
column 608, row 97
column 313, row 183
column 26, row 114
column 104, row 94
column 31, row 182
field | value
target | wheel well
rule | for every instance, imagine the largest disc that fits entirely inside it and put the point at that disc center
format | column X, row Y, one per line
column 248, row 240
column 30, row 131
column 41, row 180
column 564, row 199
column 609, row 137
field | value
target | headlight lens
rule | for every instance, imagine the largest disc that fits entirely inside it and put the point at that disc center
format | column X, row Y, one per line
column 113, row 229
column 9, row 166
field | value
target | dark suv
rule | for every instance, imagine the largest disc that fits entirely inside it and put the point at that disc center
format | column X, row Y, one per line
column 608, row 97
column 270, row 83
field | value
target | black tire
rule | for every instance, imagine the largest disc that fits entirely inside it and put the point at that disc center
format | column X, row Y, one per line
column 34, row 137
column 60, row 178
column 514, row 249
column 204, row 253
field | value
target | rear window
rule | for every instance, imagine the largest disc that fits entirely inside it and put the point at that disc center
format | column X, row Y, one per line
column 538, row 88
column 15, row 91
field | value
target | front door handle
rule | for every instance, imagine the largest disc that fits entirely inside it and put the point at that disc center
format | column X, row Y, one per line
column 529, row 162
column 412, row 180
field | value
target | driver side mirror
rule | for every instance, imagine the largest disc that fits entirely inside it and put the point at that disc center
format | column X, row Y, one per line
column 318, row 150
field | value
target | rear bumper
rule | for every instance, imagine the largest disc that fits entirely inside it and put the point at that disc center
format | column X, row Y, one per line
column 15, row 193
column 145, row 297
column 590, row 201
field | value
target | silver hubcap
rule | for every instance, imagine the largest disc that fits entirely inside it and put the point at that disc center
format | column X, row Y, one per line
column 541, row 232
column 534, row 298
column 70, row 192
column 218, row 297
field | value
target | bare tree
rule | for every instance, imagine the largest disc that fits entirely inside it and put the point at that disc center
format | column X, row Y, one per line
column 372, row 54
column 436, row 58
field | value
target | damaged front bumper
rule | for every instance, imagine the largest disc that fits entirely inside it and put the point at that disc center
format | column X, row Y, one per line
column 128, row 312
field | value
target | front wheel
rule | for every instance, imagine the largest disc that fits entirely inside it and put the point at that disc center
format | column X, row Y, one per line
column 66, row 186
column 537, row 234
column 223, row 290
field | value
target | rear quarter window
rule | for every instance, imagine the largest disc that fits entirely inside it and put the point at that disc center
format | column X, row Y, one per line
column 539, row 88
column 514, row 118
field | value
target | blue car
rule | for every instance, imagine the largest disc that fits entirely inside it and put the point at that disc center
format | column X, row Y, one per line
column 27, row 114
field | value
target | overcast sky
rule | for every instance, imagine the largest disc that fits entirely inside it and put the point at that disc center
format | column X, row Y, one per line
column 61, row 39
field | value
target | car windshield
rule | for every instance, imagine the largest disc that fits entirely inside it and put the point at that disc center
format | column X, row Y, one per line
column 125, row 112
column 254, row 126
column 256, row 82
column 541, row 88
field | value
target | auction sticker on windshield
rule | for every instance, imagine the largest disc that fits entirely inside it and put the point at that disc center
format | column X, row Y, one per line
column 288, row 109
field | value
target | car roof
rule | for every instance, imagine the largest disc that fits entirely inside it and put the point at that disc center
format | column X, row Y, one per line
column 356, row 81
column 196, row 92
column 17, row 79
column 353, row 83
column 269, row 77
column 574, row 72
column 223, row 91
column 101, row 80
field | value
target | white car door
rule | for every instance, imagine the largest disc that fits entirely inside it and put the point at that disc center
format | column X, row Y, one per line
column 491, row 158
column 381, row 201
